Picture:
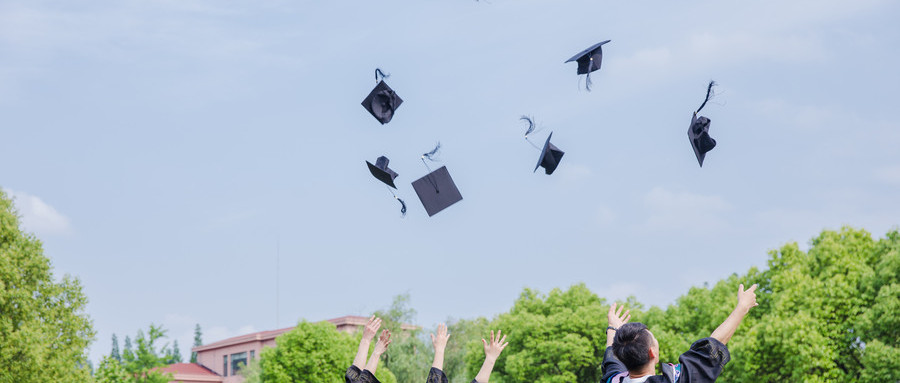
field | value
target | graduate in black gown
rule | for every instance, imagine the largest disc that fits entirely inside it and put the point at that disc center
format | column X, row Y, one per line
column 439, row 341
column 361, row 371
column 632, row 351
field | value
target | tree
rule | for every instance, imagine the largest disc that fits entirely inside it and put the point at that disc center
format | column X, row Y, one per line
column 312, row 353
column 142, row 361
column 408, row 358
column 559, row 337
column 465, row 334
column 44, row 331
column 128, row 349
column 115, row 354
column 111, row 371
column 198, row 341
column 174, row 354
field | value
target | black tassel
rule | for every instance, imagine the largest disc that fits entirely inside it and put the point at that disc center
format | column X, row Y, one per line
column 587, row 82
column 530, row 125
column 378, row 73
column 430, row 155
column 402, row 206
column 709, row 95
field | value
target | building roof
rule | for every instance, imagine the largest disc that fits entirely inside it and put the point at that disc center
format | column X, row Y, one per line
column 191, row 372
column 348, row 320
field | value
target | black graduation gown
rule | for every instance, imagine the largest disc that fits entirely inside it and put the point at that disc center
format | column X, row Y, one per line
column 702, row 363
column 436, row 376
column 353, row 375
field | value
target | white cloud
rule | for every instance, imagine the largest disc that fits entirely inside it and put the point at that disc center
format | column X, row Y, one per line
column 38, row 216
column 684, row 210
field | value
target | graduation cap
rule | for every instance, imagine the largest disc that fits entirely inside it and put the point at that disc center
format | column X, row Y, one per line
column 550, row 157
column 589, row 60
column 382, row 101
column 383, row 173
column 436, row 190
column 550, row 154
column 698, row 133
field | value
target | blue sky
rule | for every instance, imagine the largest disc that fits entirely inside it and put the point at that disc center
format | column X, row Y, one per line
column 164, row 151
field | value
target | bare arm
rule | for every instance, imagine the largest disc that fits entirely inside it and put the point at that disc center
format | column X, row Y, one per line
column 380, row 347
column 616, row 319
column 368, row 334
column 491, row 353
column 440, row 343
column 746, row 301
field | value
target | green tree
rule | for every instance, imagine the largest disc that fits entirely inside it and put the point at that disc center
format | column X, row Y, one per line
column 408, row 357
column 143, row 363
column 114, row 353
column 111, row 371
column 173, row 355
column 311, row 353
column 559, row 337
column 198, row 341
column 465, row 334
column 44, row 331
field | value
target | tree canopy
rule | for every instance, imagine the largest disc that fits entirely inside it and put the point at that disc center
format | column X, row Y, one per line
column 44, row 331
column 312, row 353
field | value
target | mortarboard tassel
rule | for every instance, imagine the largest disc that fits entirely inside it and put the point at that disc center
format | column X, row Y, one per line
column 402, row 206
column 530, row 130
column 378, row 73
column 709, row 95
column 430, row 155
column 587, row 80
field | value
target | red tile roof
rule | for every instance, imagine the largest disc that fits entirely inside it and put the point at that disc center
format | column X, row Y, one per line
column 353, row 320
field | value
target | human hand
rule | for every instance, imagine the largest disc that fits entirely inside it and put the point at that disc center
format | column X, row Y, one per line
column 615, row 317
column 371, row 328
column 747, row 299
column 383, row 341
column 440, row 341
column 492, row 350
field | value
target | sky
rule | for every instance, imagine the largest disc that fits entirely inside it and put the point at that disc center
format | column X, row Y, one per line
column 200, row 161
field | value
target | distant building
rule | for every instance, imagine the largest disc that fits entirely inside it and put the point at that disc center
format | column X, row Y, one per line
column 221, row 361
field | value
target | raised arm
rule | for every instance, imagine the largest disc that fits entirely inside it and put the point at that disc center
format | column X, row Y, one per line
column 491, row 353
column 383, row 341
column 616, row 319
column 368, row 334
column 440, row 343
column 746, row 301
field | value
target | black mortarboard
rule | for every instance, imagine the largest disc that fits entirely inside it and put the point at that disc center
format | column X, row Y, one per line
column 437, row 191
column 698, row 133
column 382, row 101
column 381, row 171
column 589, row 60
column 550, row 156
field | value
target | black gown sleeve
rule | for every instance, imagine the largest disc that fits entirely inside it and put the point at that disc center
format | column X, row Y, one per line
column 352, row 375
column 367, row 377
column 704, row 361
column 436, row 376
column 612, row 366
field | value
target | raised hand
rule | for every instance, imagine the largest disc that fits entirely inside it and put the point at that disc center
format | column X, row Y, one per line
column 383, row 341
column 492, row 350
column 747, row 299
column 440, row 341
column 371, row 328
column 615, row 317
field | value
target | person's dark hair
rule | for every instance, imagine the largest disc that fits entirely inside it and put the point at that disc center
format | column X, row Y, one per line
column 630, row 345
